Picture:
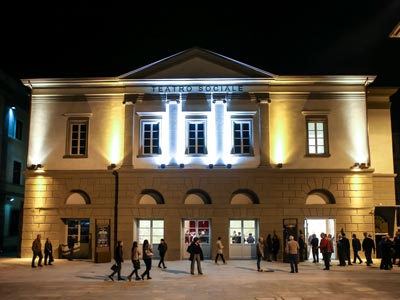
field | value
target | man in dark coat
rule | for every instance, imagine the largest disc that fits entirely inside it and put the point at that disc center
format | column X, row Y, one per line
column 314, row 248
column 385, row 247
column 276, row 244
column 356, row 244
column 368, row 245
column 162, row 250
column 302, row 248
column 196, row 255
column 341, row 251
column 396, row 245
column 346, row 245
column 37, row 251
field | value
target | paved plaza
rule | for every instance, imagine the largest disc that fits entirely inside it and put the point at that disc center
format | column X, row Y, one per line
column 238, row 279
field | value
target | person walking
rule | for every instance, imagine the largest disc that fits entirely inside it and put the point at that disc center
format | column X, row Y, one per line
column 196, row 255
column 162, row 250
column 325, row 248
column 119, row 259
column 37, row 251
column 260, row 253
column 220, row 251
column 135, row 255
column 147, row 258
column 71, row 245
column 356, row 244
column 368, row 245
column 292, row 249
column 48, row 252
column 314, row 248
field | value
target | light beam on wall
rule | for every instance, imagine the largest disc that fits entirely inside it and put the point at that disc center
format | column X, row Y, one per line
column 39, row 131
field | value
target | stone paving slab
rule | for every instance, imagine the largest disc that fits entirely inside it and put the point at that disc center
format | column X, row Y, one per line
column 237, row 280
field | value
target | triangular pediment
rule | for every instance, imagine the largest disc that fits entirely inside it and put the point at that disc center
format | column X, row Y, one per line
column 196, row 63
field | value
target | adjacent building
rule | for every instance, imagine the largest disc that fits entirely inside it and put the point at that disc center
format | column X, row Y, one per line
column 14, row 125
column 198, row 144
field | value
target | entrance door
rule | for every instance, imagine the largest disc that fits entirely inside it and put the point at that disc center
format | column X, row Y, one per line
column 200, row 229
column 317, row 226
column 79, row 231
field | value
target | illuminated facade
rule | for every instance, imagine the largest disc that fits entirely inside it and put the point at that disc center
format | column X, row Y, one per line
column 200, row 144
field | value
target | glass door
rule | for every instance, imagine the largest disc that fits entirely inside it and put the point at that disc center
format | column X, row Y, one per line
column 200, row 229
column 78, row 230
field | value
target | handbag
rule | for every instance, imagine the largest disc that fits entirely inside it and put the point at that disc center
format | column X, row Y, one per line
column 114, row 267
column 136, row 264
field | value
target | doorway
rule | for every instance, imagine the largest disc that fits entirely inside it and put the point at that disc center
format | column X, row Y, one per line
column 78, row 229
column 317, row 226
column 200, row 229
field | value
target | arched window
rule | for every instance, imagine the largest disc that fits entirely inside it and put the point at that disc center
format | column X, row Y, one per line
column 244, row 196
column 320, row 197
column 151, row 197
column 197, row 197
column 77, row 197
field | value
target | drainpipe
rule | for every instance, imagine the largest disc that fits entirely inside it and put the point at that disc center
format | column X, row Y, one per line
column 115, row 173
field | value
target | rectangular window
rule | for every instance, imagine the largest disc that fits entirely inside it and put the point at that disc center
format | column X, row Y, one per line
column 242, row 137
column 317, row 142
column 17, row 172
column 196, row 137
column 243, row 231
column 77, row 142
column 151, row 230
column 150, row 137
column 18, row 130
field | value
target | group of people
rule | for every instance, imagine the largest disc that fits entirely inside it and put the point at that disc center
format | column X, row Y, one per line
column 389, row 250
column 296, row 250
column 147, row 255
column 37, row 252
column 48, row 251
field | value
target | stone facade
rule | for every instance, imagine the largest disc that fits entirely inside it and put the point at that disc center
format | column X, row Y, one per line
column 277, row 184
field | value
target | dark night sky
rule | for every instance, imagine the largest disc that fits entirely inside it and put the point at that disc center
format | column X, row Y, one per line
column 83, row 39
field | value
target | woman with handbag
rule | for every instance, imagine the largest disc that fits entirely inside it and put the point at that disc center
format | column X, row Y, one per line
column 118, row 256
column 147, row 257
column 135, row 261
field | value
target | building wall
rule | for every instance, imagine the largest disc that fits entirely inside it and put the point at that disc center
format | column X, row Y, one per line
column 279, row 173
column 282, row 194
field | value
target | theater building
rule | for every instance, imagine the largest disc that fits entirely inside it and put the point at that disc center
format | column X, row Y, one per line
column 198, row 144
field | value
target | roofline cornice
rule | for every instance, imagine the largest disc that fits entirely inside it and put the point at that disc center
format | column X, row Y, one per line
column 278, row 81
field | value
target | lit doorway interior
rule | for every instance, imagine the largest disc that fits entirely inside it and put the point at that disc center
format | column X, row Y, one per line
column 200, row 229
column 317, row 226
